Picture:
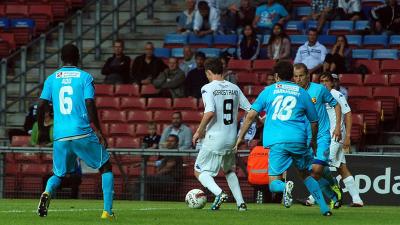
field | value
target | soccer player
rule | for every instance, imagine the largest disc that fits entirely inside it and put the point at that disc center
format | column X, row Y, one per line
column 217, row 132
column 338, row 148
column 320, row 96
column 71, row 91
column 287, row 108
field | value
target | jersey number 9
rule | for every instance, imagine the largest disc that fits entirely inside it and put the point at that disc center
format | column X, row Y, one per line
column 228, row 111
column 283, row 107
column 65, row 101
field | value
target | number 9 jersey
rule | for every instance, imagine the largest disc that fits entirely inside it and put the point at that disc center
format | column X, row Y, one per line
column 224, row 99
column 67, row 89
column 286, row 105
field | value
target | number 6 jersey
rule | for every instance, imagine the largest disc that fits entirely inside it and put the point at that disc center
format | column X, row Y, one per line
column 224, row 99
column 67, row 89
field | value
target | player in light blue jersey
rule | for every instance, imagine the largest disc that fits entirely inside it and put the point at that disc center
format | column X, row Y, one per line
column 71, row 92
column 321, row 97
column 287, row 108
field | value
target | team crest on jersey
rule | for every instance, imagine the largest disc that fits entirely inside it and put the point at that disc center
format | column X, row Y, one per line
column 68, row 74
column 314, row 100
column 278, row 86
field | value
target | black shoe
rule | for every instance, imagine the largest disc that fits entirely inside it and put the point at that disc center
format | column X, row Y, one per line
column 242, row 207
column 43, row 204
column 329, row 213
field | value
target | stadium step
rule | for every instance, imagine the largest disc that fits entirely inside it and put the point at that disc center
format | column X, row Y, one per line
column 391, row 138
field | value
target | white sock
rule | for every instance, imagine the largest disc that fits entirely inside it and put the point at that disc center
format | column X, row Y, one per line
column 311, row 199
column 351, row 187
column 233, row 183
column 208, row 182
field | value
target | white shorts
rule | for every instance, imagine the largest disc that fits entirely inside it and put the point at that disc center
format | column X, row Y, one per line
column 211, row 162
column 336, row 154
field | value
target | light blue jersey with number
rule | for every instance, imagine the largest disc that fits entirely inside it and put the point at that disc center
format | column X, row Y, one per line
column 286, row 105
column 67, row 89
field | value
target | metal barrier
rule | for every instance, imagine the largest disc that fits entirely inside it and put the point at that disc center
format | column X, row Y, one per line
column 40, row 43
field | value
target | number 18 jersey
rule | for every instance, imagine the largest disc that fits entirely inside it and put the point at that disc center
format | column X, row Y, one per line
column 286, row 105
column 67, row 89
column 224, row 99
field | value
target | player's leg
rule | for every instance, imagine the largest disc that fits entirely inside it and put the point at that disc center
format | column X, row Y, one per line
column 228, row 165
column 350, row 184
column 107, row 184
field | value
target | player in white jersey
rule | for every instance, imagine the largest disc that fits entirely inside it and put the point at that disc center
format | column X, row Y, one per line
column 217, row 132
column 338, row 148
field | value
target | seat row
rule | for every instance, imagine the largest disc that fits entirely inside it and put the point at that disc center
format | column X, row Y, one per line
column 125, row 90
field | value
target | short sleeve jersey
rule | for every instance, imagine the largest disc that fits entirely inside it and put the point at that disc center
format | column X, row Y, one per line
column 341, row 99
column 67, row 89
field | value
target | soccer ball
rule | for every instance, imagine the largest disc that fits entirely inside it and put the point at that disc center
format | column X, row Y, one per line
column 196, row 199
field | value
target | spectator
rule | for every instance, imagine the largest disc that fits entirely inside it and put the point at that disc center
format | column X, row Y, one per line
column 206, row 20
column 181, row 130
column 348, row 10
column 230, row 17
column 312, row 53
column 249, row 45
column 189, row 61
column 278, row 46
column 335, row 62
column 147, row 66
column 267, row 15
column 185, row 19
column 386, row 17
column 116, row 68
column 321, row 11
column 247, row 12
column 211, row 3
column 196, row 78
column 152, row 139
column 45, row 139
column 171, row 80
column 229, row 75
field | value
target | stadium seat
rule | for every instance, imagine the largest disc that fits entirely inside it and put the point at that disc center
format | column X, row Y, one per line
column 27, row 157
column 390, row 66
column 253, row 91
column 185, row 103
column 177, row 52
column 126, row 90
column 351, row 80
column 113, row 116
column 263, row 66
column 394, row 41
column 239, row 65
column 159, row 103
column 210, row 52
column 110, row 142
column 162, row 52
column 298, row 3
column 191, row 116
column 107, row 102
column 361, row 54
column 2, row 10
column 200, row 106
column 16, row 11
column 341, row 27
column 127, row 142
column 385, row 54
column 163, row 116
column 142, row 130
column 361, row 25
column 132, row 103
column 358, row 93
column 298, row 40
column 372, row 65
column 225, row 41
column 34, row 169
column 175, row 40
column 394, row 80
column 23, row 30
column 358, row 128
column 4, row 24
column 314, row 24
column 354, row 41
column 140, row 116
column 7, row 44
column 372, row 3
column 376, row 80
column 12, row 169
column 20, row 141
column 265, row 40
column 149, row 90
column 123, row 129
column 42, row 15
column 59, row 9
column 302, row 11
column 77, row 3
column 200, row 42
column 104, row 89
column 375, row 41
column 388, row 97
column 372, row 110
column 246, row 78
column 105, row 127
column 294, row 27
column 327, row 40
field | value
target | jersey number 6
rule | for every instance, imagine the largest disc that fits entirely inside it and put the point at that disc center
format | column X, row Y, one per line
column 65, row 101
column 283, row 107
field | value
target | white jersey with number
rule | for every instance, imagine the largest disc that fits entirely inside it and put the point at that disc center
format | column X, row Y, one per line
column 341, row 99
column 224, row 99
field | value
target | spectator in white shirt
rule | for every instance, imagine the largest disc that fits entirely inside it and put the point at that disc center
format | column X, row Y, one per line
column 189, row 61
column 206, row 20
column 312, row 53
column 185, row 19
column 348, row 10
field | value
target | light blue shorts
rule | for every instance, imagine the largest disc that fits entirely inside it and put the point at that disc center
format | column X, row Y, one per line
column 282, row 156
column 87, row 149
column 323, row 146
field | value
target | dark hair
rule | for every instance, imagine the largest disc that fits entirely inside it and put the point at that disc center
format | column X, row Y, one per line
column 313, row 29
column 203, row 5
column 200, row 54
column 253, row 36
column 328, row 75
column 175, row 136
column 214, row 65
column 346, row 43
column 301, row 66
column 120, row 41
column 282, row 35
column 150, row 43
column 178, row 112
column 284, row 69
column 70, row 54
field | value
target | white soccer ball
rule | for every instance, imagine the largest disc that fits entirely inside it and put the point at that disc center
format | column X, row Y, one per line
column 196, row 199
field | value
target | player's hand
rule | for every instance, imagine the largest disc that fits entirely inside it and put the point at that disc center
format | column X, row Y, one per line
column 197, row 136
column 236, row 147
column 346, row 144
column 337, row 134
column 101, row 138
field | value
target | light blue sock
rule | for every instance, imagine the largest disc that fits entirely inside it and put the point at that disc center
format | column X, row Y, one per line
column 326, row 189
column 277, row 186
column 52, row 184
column 313, row 187
column 107, row 180
column 328, row 176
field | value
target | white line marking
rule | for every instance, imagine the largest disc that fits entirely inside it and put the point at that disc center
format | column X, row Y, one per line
column 84, row 210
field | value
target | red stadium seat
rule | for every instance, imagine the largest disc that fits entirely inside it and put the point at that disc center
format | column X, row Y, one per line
column 9, row 38
column 104, row 90
column 113, row 116
column 372, row 65
column 163, row 116
column 110, row 142
column 132, row 103
column 47, row 158
column 127, row 142
column 358, row 93
column 127, row 90
column 351, row 80
column 20, row 141
column 253, row 91
column 77, row 3
column 390, row 66
column 2, row 10
column 27, row 157
column 159, row 103
column 16, row 11
column 200, row 106
column 139, row 116
column 105, row 127
column 376, row 80
column 107, row 102
column 42, row 15
column 264, row 65
column 239, row 65
column 358, row 128
column 5, row 46
column 59, row 9
column 149, row 90
column 394, row 80
column 191, row 116
column 245, row 78
column 388, row 97
column 142, row 130
column 34, row 169
column 373, row 114
column 185, row 103
column 12, row 169
column 122, row 130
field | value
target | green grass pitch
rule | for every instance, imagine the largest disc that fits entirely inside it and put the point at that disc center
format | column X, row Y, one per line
column 82, row 212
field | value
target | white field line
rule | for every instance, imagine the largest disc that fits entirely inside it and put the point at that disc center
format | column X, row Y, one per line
column 84, row 210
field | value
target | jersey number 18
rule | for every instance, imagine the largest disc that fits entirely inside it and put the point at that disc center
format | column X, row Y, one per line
column 283, row 107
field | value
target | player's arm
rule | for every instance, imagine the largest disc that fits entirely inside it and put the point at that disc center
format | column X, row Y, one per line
column 314, row 133
column 249, row 119
column 42, row 107
column 328, row 98
column 94, row 119
column 312, row 116
column 348, row 123
column 209, row 112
